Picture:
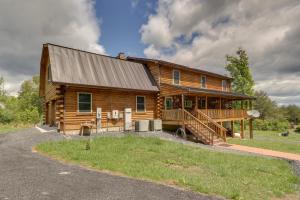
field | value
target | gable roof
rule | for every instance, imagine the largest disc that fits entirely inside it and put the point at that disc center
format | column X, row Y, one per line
column 77, row 67
column 178, row 66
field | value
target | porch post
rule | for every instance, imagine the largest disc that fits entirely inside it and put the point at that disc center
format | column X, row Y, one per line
column 251, row 128
column 232, row 128
column 242, row 129
column 182, row 110
column 220, row 108
column 206, row 105
column 196, row 105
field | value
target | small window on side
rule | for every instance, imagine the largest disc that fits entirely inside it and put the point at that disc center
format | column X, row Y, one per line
column 168, row 103
column 49, row 78
column 176, row 77
column 224, row 85
column 140, row 104
column 203, row 82
column 84, row 102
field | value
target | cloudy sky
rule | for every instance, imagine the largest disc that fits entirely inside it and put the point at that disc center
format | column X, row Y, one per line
column 198, row 33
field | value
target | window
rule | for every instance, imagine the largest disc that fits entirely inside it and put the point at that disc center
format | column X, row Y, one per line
column 84, row 102
column 176, row 77
column 49, row 73
column 224, row 85
column 140, row 104
column 168, row 103
column 203, row 81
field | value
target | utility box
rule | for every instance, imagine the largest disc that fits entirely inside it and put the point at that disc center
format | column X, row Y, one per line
column 142, row 125
column 115, row 114
column 127, row 119
column 156, row 125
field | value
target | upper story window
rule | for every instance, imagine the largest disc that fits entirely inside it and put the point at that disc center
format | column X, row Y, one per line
column 140, row 104
column 224, row 85
column 203, row 81
column 176, row 77
column 84, row 102
column 49, row 73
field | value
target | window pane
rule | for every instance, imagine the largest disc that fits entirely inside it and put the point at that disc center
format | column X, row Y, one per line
column 203, row 81
column 140, row 100
column 84, row 102
column 140, row 104
column 176, row 76
column 84, row 107
column 85, row 98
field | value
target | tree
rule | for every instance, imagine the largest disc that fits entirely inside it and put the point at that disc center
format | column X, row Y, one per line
column 29, row 95
column 2, row 90
column 238, row 66
column 292, row 113
column 268, row 109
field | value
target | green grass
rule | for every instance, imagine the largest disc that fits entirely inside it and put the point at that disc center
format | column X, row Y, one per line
column 206, row 171
column 271, row 140
column 8, row 128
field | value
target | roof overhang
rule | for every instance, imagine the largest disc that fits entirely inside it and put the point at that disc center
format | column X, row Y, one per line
column 212, row 93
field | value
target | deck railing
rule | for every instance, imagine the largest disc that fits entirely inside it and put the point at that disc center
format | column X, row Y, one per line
column 172, row 115
column 225, row 113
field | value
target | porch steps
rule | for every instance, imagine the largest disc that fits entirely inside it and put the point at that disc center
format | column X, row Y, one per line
column 200, row 135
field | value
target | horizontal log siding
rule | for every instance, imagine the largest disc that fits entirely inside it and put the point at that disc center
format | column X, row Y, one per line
column 108, row 100
column 189, row 78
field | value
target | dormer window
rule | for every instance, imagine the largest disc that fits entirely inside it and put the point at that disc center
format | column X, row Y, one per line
column 49, row 73
column 224, row 85
column 176, row 77
column 203, row 82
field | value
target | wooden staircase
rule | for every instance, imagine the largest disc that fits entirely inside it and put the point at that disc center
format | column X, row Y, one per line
column 204, row 128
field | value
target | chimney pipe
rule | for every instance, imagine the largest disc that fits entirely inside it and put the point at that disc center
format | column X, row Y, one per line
column 121, row 56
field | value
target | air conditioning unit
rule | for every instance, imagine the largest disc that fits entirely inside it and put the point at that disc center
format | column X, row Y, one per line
column 142, row 125
column 156, row 125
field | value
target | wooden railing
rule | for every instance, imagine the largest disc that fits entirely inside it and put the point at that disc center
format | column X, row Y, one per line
column 200, row 124
column 172, row 115
column 219, row 129
column 198, row 127
column 225, row 113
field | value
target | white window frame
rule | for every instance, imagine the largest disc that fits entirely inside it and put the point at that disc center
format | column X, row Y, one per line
column 175, row 70
column 136, row 103
column 224, row 88
column 166, row 102
column 205, row 85
column 78, row 93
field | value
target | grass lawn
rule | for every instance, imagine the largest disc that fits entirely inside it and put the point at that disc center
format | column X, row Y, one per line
column 7, row 128
column 206, row 171
column 271, row 140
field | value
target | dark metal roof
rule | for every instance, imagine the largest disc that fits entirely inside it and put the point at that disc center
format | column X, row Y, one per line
column 73, row 66
column 231, row 95
column 145, row 60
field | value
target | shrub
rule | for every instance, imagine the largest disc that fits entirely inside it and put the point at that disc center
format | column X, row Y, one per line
column 297, row 129
column 270, row 125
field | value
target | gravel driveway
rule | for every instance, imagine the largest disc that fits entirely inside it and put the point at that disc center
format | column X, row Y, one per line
column 28, row 175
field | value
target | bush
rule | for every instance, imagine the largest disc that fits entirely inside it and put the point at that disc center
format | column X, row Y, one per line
column 270, row 125
column 297, row 129
column 31, row 116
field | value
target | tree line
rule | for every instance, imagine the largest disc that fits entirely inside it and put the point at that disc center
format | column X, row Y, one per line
column 272, row 116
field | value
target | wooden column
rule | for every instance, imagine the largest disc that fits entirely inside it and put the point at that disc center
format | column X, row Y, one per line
column 206, row 105
column 232, row 128
column 196, row 105
column 251, row 128
column 158, row 106
column 182, row 108
column 242, row 129
column 220, row 107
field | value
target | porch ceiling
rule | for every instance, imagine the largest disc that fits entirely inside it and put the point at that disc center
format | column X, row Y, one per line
column 212, row 93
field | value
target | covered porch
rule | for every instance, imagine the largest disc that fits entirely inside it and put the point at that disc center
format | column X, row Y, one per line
column 209, row 106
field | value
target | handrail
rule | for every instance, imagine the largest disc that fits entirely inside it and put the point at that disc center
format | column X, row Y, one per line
column 197, row 124
column 220, row 130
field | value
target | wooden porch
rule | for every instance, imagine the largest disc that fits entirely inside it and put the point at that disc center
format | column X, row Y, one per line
column 204, row 116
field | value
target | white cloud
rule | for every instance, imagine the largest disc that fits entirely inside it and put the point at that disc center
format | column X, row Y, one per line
column 26, row 25
column 200, row 33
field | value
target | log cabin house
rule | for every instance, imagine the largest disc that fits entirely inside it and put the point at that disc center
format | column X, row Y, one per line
column 78, row 87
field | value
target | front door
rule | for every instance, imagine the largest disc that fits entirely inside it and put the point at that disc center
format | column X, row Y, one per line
column 168, row 103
